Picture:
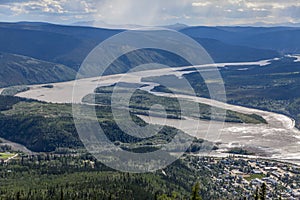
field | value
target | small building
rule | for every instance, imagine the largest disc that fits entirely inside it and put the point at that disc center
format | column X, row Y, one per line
column 271, row 168
column 256, row 171
column 277, row 175
column 270, row 180
column 257, row 182
column 296, row 194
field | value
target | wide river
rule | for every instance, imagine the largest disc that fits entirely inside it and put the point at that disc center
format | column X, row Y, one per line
column 278, row 139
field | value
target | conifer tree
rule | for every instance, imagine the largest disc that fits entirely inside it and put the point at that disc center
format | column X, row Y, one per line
column 256, row 195
column 263, row 191
column 195, row 192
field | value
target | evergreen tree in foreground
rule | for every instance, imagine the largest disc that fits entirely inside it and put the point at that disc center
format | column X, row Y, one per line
column 261, row 194
column 263, row 191
column 195, row 192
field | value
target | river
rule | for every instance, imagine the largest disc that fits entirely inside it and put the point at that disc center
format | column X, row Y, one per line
column 278, row 139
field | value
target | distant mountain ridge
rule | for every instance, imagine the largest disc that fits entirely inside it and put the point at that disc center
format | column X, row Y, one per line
column 69, row 45
column 102, row 24
column 234, row 53
column 281, row 39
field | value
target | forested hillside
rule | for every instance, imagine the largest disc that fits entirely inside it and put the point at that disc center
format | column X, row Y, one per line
column 23, row 70
column 57, row 45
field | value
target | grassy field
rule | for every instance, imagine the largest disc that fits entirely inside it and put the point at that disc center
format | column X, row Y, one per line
column 254, row 176
column 5, row 156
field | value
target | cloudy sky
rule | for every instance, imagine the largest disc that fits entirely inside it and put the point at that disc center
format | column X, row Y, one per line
column 153, row 12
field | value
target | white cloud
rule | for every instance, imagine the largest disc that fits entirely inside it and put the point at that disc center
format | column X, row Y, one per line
column 154, row 12
column 201, row 4
column 278, row 5
column 259, row 9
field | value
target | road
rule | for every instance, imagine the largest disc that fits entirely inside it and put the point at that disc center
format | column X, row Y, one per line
column 8, row 159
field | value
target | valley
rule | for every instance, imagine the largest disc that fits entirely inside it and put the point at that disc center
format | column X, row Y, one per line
column 278, row 139
column 227, row 128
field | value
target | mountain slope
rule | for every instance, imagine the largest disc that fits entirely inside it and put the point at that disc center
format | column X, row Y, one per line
column 222, row 52
column 19, row 70
column 38, row 44
column 282, row 39
column 69, row 45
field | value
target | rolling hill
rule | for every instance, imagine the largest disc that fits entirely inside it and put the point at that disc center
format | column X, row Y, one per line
column 54, row 52
column 222, row 52
column 69, row 45
column 22, row 70
column 281, row 39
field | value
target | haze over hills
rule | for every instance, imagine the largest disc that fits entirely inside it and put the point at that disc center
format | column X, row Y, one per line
column 263, row 24
column 102, row 24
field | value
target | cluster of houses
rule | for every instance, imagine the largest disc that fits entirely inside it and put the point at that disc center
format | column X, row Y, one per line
column 244, row 175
